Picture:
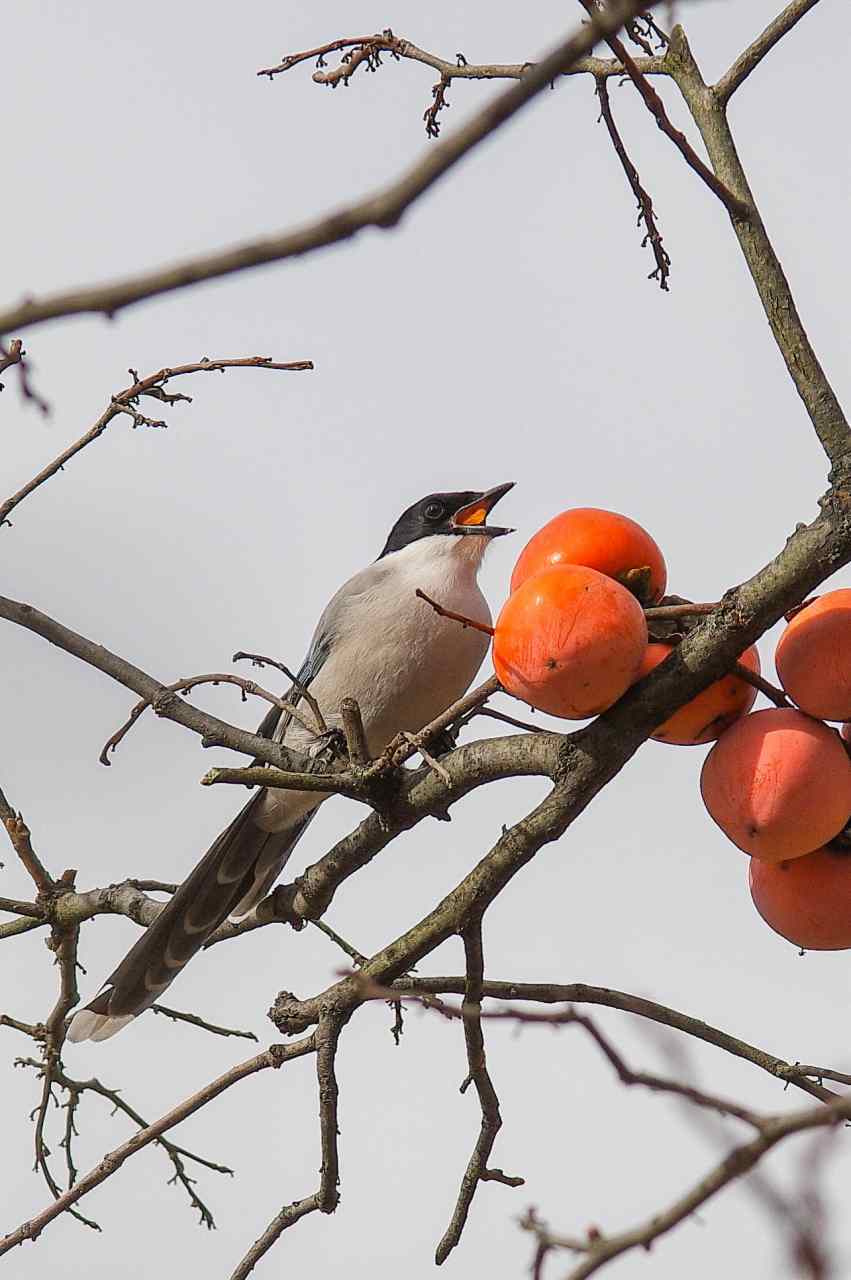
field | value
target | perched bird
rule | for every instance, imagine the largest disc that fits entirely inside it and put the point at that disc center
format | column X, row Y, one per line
column 376, row 642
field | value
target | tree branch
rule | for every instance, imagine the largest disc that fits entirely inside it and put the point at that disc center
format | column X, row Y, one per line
column 382, row 209
column 186, row 685
column 459, row 69
column 600, row 1249
column 646, row 213
column 124, row 402
column 14, row 355
column 273, row 1057
column 326, row 1198
column 737, row 208
column 768, row 276
column 195, row 1021
column 477, row 1169
column 582, row 993
column 214, row 732
column 177, row 1155
column 19, row 835
column 764, row 43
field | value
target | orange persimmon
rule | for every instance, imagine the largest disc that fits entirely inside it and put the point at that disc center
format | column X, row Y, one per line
column 711, row 711
column 813, row 657
column 601, row 540
column 778, row 784
column 807, row 900
column 569, row 641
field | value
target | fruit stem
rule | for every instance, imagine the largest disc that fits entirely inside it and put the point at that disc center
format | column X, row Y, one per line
column 777, row 696
column 686, row 610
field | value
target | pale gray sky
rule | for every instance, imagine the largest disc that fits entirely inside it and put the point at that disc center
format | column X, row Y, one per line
column 504, row 331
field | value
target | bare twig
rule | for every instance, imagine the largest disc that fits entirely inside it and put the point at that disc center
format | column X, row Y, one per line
column 738, row 209
column 353, row 729
column 351, row 952
column 435, row 765
column 382, row 209
column 35, row 1030
column 799, row 1071
column 195, row 1021
column 582, row 993
column 14, row 355
column 646, row 214
column 177, row 1155
column 477, row 1169
column 599, row 1249
column 567, row 1016
column 11, row 355
column 504, row 719
column 19, row 834
column 124, row 402
column 273, row 1057
column 186, row 685
column 302, row 690
column 458, row 69
column 326, row 1198
column 764, row 43
column 213, row 731
column 454, row 617
column 438, row 103
column 64, row 943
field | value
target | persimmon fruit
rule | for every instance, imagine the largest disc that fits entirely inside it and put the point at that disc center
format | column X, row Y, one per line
column 711, row 711
column 813, row 657
column 778, row 784
column 807, row 900
column 569, row 641
column 603, row 540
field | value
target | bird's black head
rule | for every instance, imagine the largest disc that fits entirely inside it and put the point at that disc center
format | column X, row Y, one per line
column 454, row 514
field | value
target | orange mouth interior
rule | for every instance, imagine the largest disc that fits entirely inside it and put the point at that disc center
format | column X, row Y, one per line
column 476, row 515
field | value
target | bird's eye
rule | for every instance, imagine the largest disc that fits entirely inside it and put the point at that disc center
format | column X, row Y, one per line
column 434, row 511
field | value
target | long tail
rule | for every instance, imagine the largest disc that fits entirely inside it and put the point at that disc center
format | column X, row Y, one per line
column 237, row 870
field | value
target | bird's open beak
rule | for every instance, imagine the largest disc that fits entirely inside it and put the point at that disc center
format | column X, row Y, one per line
column 473, row 517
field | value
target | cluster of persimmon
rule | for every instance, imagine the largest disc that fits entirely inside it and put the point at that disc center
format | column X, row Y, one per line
column 572, row 638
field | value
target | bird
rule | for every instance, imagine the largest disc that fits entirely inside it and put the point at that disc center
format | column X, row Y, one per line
column 376, row 641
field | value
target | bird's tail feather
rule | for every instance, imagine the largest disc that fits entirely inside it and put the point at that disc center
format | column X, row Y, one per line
column 237, row 870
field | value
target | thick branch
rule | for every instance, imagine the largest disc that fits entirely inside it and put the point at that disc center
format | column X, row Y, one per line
column 819, row 399
column 764, row 43
column 382, row 209
column 215, row 732
column 587, row 760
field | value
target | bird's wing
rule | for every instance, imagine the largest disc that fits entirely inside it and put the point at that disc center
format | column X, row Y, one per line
column 331, row 624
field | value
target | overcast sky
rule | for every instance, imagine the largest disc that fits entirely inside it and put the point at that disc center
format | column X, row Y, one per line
column 506, row 330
